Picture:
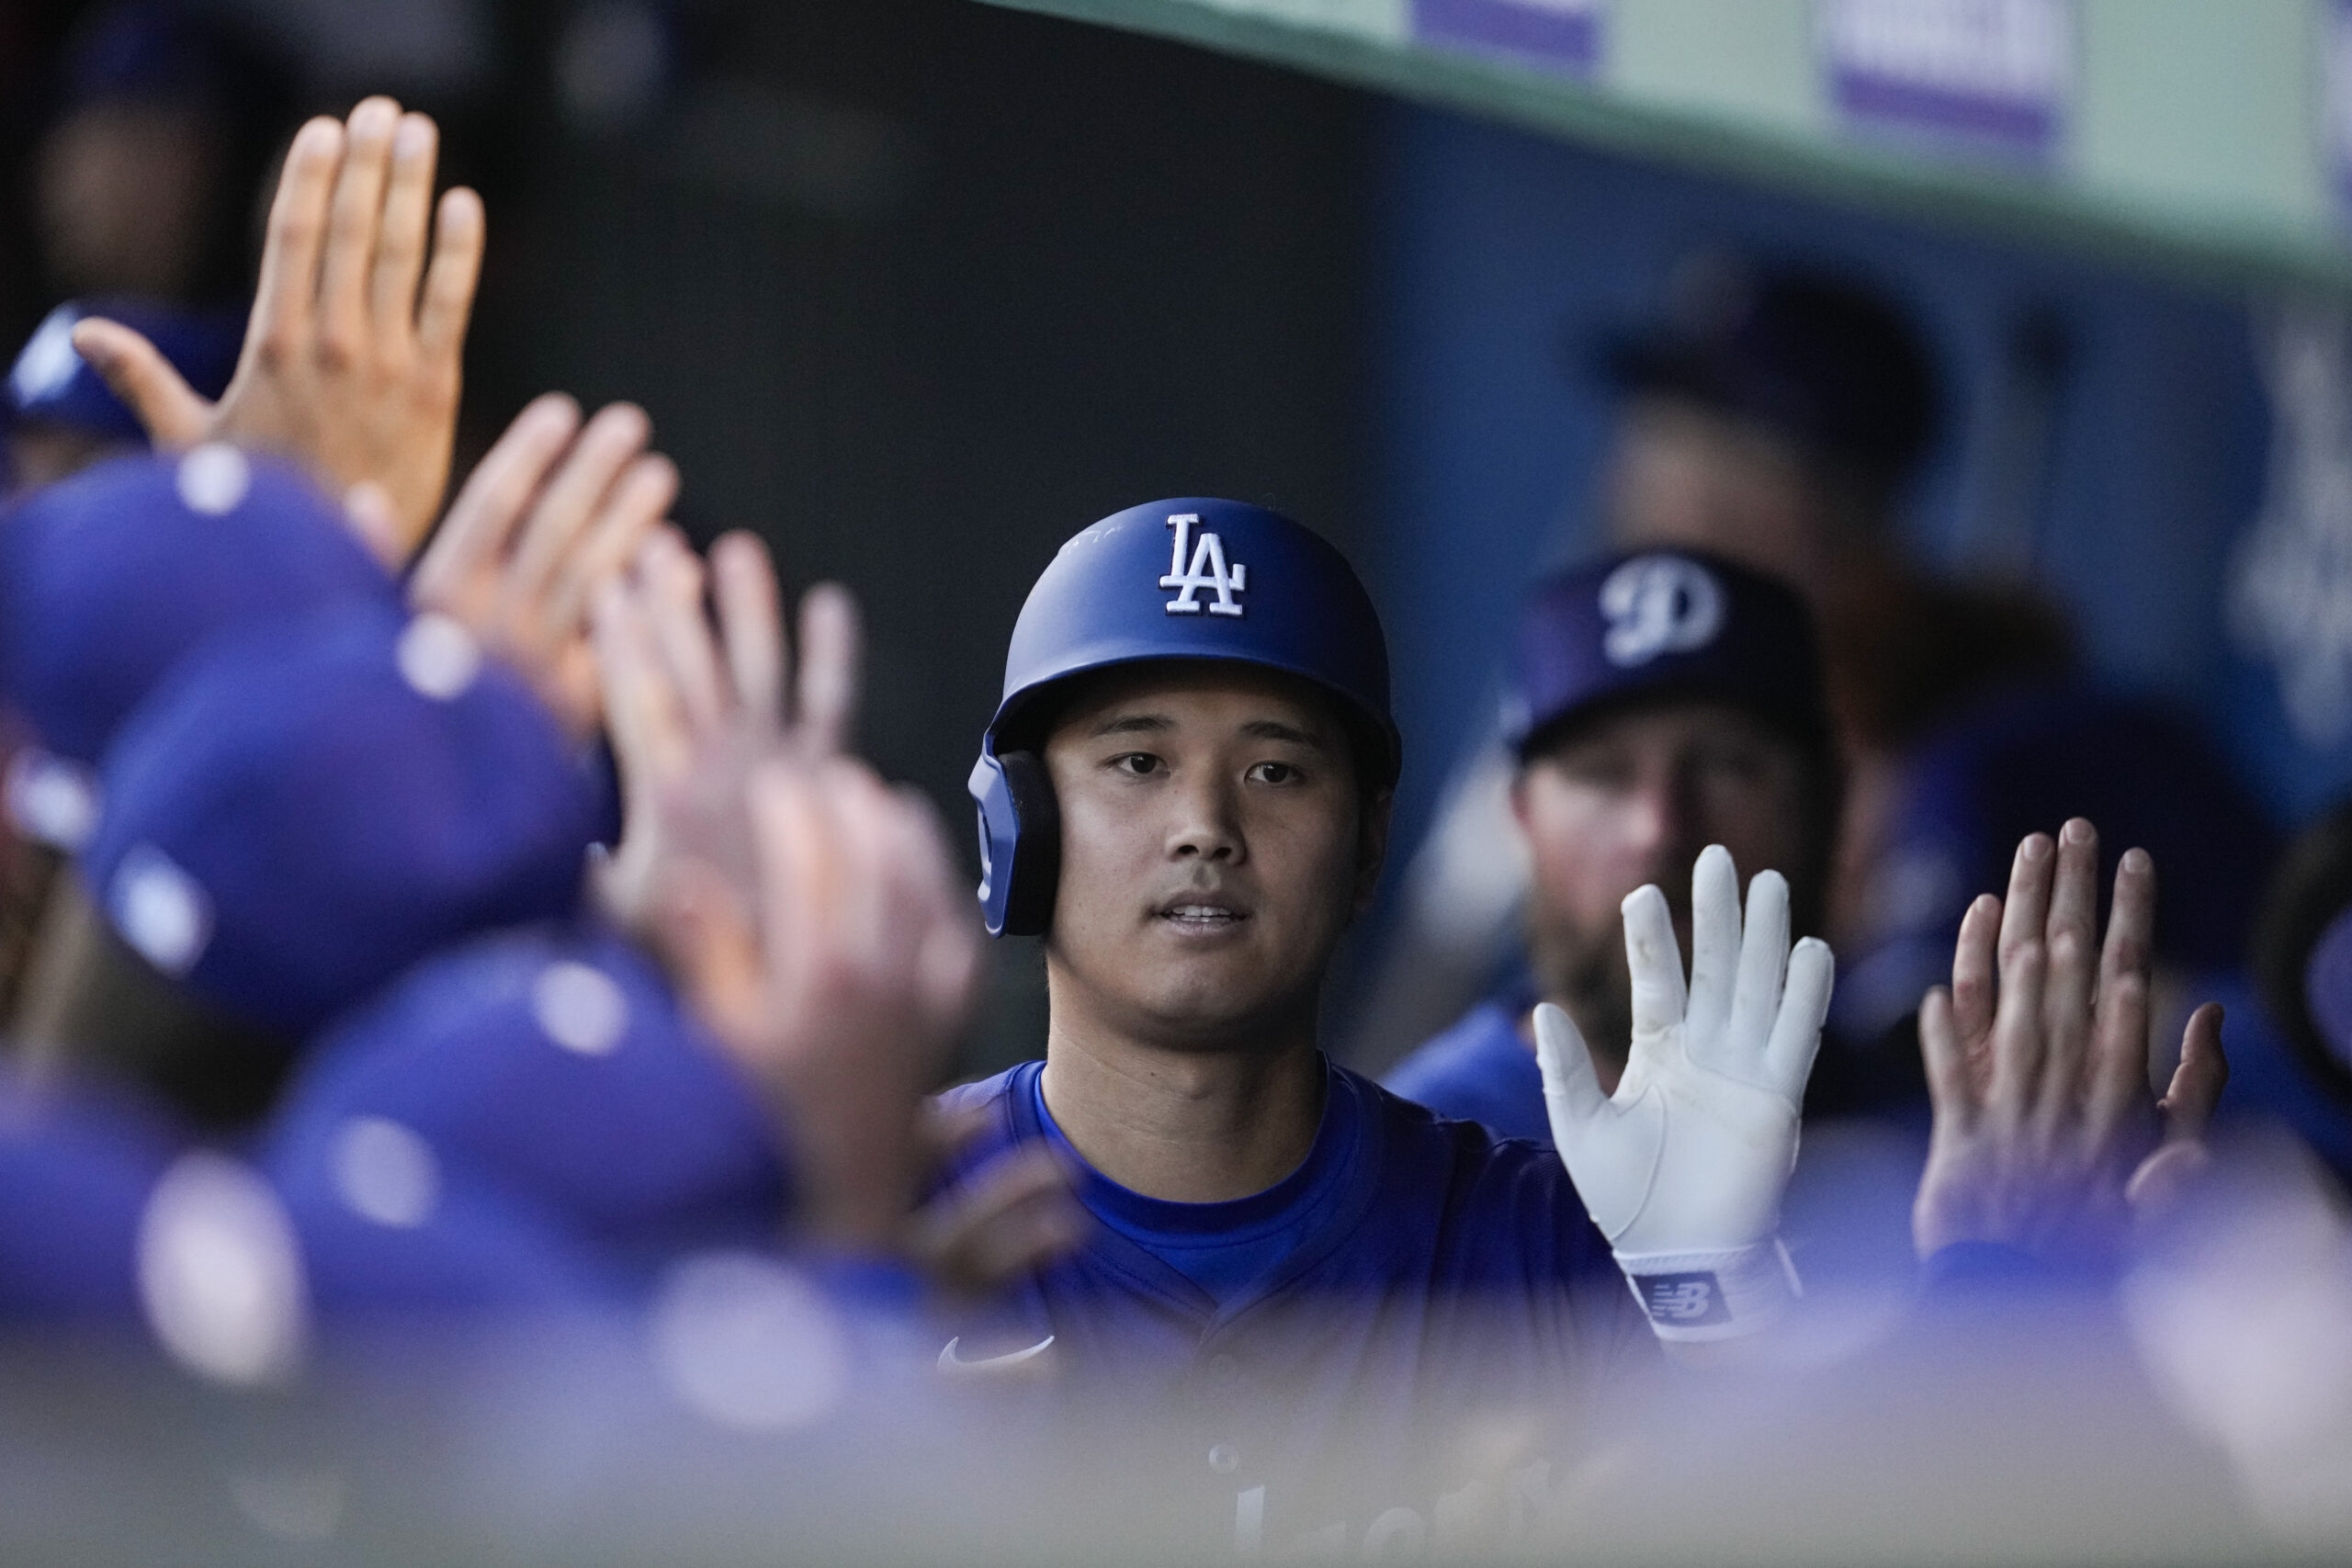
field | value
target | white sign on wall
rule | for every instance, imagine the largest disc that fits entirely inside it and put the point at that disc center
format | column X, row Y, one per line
column 1560, row 35
column 1996, row 74
column 2290, row 584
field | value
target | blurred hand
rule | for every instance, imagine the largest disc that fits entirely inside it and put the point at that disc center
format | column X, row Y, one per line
column 690, row 714
column 1006, row 1221
column 348, row 368
column 843, row 991
column 549, row 515
column 2045, row 1131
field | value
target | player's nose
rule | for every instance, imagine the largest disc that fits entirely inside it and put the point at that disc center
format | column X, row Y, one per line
column 1205, row 823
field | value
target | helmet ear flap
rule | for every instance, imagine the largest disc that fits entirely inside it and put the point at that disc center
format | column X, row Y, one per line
column 1020, row 842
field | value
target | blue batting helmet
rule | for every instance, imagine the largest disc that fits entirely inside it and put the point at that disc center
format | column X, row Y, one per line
column 1185, row 579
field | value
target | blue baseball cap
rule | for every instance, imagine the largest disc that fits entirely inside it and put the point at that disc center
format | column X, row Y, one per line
column 1829, row 361
column 558, row 1067
column 53, row 383
column 75, row 1173
column 109, row 580
column 300, row 813
column 1662, row 625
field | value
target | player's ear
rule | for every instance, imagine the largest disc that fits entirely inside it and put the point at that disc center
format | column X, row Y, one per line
column 1371, row 844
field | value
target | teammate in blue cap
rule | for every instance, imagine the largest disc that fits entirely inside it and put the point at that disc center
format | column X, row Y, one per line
column 1186, row 790
column 301, row 813
column 1658, row 702
column 558, row 1067
column 109, row 580
column 58, row 414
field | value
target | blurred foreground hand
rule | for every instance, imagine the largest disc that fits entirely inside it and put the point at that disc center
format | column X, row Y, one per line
column 349, row 367
column 552, row 514
column 2046, row 1134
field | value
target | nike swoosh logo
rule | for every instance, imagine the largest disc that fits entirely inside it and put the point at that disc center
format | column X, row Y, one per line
column 955, row 1365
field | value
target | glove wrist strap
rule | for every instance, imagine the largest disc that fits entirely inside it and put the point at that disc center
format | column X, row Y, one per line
column 1712, row 1295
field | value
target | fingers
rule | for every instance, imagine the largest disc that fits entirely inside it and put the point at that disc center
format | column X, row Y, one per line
column 795, row 852
column 751, row 627
column 449, row 301
column 651, row 740
column 2070, row 945
column 354, row 220
column 1572, row 1097
column 2025, row 914
column 496, row 496
column 285, row 297
column 1655, row 964
column 1952, row 1088
column 1804, row 1007
column 674, row 578
column 948, row 949
column 2118, row 1068
column 610, row 443
column 174, row 417
column 1016, row 1216
column 2196, row 1083
column 1763, row 960
column 1716, row 955
column 1972, row 961
column 408, row 213
column 2016, row 1043
column 829, row 670
column 630, row 512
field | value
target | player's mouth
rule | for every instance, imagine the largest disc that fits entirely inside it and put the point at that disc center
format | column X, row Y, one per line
column 1199, row 916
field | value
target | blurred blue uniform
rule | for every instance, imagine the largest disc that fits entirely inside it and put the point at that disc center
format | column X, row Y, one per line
column 1481, row 1069
column 75, row 1173
column 557, row 1067
column 1299, row 1355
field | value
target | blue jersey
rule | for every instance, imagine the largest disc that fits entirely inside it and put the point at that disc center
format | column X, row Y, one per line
column 1482, row 1070
column 1423, row 1275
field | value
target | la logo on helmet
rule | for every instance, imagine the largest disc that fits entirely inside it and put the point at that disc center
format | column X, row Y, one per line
column 1207, row 573
column 1658, row 604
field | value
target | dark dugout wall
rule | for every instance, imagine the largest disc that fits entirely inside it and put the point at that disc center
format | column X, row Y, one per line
column 920, row 287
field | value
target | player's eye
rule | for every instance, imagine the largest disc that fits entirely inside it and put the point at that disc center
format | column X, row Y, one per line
column 1275, row 773
column 1138, row 764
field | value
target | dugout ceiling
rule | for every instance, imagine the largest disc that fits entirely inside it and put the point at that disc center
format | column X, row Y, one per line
column 2209, row 137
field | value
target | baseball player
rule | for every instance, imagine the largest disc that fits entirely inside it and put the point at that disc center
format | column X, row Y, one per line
column 1660, row 700
column 1299, row 1275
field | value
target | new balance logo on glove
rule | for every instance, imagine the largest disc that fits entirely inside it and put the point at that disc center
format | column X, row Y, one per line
column 1683, row 1299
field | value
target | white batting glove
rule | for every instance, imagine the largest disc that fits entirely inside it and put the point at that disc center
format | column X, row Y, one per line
column 1682, row 1168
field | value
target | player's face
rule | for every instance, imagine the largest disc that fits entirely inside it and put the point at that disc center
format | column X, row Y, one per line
column 1632, row 799
column 1215, row 846
column 1683, row 476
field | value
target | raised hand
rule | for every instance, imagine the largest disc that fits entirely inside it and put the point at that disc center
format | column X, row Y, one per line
column 1008, row 1219
column 843, row 990
column 1682, row 1168
column 2045, row 1128
column 690, row 714
column 550, row 514
column 348, row 367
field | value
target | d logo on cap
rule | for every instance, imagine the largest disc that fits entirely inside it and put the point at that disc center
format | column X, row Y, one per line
column 1660, row 605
